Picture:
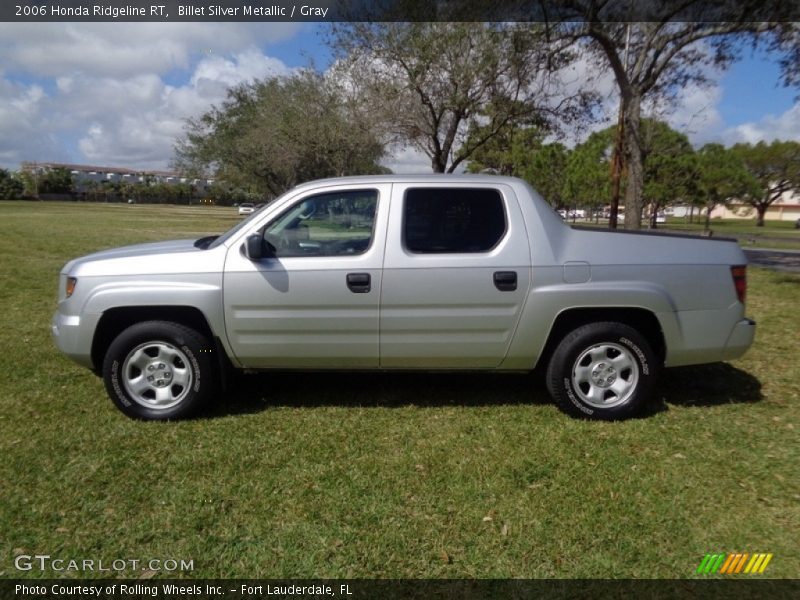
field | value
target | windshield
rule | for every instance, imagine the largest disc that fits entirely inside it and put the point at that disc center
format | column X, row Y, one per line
column 235, row 229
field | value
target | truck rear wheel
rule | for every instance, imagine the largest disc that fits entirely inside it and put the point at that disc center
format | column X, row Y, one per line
column 157, row 370
column 603, row 371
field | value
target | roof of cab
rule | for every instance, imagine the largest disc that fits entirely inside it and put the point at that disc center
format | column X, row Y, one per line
column 415, row 178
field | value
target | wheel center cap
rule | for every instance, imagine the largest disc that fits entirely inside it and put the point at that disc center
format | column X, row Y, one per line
column 603, row 375
column 159, row 374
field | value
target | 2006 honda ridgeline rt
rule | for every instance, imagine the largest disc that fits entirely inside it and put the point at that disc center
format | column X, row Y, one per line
column 404, row 272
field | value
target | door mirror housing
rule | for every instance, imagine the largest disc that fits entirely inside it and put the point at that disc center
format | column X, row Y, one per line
column 256, row 248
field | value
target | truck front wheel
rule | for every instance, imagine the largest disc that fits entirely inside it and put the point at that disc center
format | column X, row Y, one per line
column 158, row 370
column 603, row 371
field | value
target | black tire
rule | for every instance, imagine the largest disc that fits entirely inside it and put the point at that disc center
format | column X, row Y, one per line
column 157, row 370
column 603, row 371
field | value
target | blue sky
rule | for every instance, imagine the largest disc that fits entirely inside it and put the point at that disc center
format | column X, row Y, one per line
column 751, row 89
column 118, row 94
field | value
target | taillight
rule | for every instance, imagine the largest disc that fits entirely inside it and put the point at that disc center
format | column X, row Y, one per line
column 739, row 274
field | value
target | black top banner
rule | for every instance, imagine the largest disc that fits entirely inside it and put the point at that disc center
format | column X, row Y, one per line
column 402, row 10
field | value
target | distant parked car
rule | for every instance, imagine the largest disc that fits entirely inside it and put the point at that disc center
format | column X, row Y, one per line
column 246, row 208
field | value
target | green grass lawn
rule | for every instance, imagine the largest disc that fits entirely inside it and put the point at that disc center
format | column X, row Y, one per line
column 774, row 234
column 399, row 475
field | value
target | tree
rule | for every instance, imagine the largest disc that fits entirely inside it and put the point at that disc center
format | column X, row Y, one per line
column 655, row 58
column 721, row 176
column 448, row 88
column 545, row 169
column 56, row 181
column 521, row 153
column 10, row 187
column 272, row 134
column 776, row 166
column 668, row 166
column 506, row 152
column 587, row 181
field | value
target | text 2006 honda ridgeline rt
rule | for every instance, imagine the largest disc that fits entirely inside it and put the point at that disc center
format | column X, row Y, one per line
column 404, row 272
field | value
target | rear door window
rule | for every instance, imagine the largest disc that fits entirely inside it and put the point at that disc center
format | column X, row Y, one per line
column 453, row 220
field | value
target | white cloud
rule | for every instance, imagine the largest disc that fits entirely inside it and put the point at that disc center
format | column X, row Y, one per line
column 217, row 72
column 125, row 49
column 136, row 122
column 24, row 130
column 119, row 93
column 782, row 127
column 695, row 113
column 407, row 160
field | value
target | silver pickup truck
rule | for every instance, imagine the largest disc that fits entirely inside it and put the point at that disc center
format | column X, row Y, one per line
column 404, row 272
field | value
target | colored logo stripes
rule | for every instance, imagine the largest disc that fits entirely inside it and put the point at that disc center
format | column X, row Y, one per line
column 737, row 562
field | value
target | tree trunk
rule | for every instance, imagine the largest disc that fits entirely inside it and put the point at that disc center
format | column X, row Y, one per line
column 633, row 162
column 761, row 212
column 616, row 168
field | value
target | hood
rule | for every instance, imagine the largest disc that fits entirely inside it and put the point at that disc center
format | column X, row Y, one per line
column 167, row 247
column 156, row 258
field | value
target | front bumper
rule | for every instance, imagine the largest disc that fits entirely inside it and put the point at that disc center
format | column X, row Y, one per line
column 69, row 336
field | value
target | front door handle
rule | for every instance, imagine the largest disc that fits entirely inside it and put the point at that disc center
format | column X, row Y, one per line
column 359, row 283
column 505, row 281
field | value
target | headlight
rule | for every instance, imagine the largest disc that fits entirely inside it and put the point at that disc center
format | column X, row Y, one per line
column 71, row 283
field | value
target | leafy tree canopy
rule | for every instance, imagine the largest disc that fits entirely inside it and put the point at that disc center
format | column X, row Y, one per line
column 776, row 167
column 272, row 134
column 720, row 176
column 10, row 187
column 448, row 88
column 55, row 181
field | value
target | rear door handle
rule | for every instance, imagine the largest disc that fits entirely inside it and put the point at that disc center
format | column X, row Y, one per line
column 505, row 281
column 359, row 283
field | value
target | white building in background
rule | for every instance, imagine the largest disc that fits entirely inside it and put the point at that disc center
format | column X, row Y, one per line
column 786, row 208
column 82, row 174
column 680, row 210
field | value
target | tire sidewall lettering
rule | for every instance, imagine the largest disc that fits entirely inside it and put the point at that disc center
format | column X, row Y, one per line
column 572, row 398
column 639, row 354
column 115, row 384
column 195, row 367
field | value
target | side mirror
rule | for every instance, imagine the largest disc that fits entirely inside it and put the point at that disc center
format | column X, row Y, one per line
column 256, row 248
